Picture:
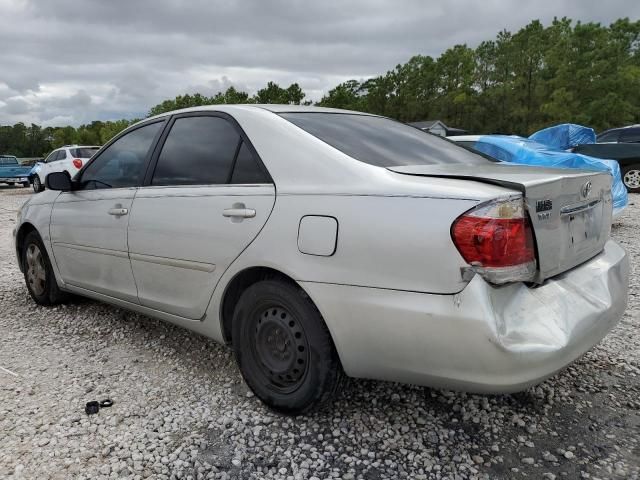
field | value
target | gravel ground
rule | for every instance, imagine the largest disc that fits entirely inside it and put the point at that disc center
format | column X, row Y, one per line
column 182, row 411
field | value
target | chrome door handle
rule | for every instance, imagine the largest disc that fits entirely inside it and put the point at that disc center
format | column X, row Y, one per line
column 239, row 212
column 118, row 211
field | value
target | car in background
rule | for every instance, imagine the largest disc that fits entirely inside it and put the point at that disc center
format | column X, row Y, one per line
column 11, row 172
column 69, row 158
column 630, row 134
column 626, row 154
column 318, row 241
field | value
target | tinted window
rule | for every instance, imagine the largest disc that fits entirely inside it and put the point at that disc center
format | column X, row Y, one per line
column 83, row 152
column 630, row 135
column 198, row 151
column 608, row 137
column 55, row 156
column 381, row 141
column 247, row 169
column 121, row 164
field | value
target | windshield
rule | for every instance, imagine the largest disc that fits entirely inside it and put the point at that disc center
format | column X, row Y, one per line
column 380, row 141
column 5, row 160
column 84, row 152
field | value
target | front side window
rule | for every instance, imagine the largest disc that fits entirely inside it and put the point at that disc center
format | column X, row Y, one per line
column 52, row 157
column 122, row 163
column 380, row 141
column 198, row 151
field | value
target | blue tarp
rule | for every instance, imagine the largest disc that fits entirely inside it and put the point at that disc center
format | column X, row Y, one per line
column 524, row 151
column 565, row 136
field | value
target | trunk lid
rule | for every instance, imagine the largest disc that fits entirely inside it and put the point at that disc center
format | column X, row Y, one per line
column 570, row 210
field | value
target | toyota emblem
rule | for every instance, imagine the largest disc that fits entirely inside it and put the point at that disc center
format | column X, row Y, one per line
column 586, row 189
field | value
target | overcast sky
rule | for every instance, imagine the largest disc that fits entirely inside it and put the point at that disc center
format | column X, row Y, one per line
column 72, row 61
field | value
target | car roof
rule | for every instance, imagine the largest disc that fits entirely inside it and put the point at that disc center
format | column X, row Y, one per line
column 76, row 146
column 274, row 108
column 637, row 125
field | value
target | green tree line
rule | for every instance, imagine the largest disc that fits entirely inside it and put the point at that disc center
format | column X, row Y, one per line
column 519, row 82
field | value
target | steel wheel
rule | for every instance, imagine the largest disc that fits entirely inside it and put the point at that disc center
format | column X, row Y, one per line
column 36, row 269
column 632, row 179
column 283, row 347
column 280, row 348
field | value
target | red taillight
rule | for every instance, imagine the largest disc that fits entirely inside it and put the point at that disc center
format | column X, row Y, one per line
column 77, row 163
column 497, row 240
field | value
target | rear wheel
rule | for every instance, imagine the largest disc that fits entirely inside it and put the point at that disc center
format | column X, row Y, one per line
column 37, row 184
column 283, row 348
column 38, row 272
column 631, row 177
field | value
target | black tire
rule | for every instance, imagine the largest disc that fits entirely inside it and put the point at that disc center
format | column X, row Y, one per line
column 284, row 349
column 25, row 184
column 631, row 177
column 37, row 184
column 38, row 273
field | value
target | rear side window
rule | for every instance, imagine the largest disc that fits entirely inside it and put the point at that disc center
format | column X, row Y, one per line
column 630, row 135
column 197, row 151
column 83, row 152
column 8, row 161
column 380, row 141
column 608, row 136
column 247, row 169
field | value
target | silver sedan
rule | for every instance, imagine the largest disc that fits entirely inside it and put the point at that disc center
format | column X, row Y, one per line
column 320, row 242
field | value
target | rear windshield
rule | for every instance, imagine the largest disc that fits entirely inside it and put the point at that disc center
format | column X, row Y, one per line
column 380, row 141
column 8, row 161
column 85, row 152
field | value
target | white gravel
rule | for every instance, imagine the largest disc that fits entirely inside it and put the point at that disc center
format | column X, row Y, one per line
column 181, row 409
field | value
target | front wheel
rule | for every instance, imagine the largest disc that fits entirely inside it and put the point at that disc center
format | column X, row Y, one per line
column 631, row 177
column 25, row 184
column 38, row 272
column 283, row 348
column 37, row 184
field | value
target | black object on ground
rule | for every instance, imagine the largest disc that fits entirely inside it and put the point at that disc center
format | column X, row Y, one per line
column 92, row 407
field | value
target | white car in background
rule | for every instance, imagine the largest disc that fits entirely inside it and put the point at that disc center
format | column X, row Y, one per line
column 69, row 158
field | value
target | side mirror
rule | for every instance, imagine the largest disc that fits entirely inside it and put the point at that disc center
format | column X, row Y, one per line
column 59, row 181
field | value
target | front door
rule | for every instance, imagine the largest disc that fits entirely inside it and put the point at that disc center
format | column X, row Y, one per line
column 207, row 199
column 89, row 224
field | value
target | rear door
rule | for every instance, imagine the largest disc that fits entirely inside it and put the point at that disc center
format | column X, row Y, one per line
column 206, row 199
column 89, row 224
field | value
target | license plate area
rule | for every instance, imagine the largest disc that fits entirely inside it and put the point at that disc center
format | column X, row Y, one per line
column 582, row 224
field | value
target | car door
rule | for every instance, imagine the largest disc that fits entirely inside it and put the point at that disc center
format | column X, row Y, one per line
column 89, row 224
column 48, row 164
column 205, row 199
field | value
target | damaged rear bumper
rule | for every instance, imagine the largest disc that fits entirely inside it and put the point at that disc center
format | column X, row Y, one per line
column 484, row 339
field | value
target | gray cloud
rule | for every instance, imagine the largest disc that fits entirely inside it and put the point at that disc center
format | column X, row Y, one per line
column 70, row 61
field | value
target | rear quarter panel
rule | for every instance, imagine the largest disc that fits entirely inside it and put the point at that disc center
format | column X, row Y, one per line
column 394, row 242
